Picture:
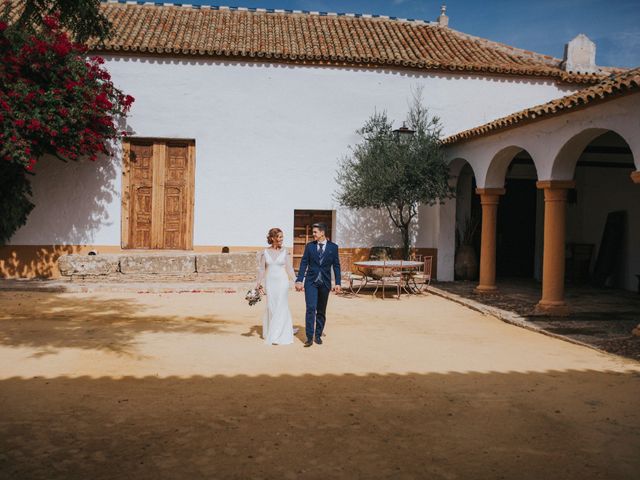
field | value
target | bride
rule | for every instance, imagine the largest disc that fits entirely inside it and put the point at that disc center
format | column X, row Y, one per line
column 275, row 269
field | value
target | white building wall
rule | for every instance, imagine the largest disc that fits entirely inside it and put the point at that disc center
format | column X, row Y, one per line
column 268, row 141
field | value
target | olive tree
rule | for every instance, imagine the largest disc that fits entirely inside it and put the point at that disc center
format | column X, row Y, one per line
column 395, row 171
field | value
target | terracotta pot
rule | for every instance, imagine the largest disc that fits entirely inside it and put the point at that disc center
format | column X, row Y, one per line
column 466, row 263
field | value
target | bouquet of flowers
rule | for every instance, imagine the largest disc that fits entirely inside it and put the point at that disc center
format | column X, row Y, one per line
column 253, row 296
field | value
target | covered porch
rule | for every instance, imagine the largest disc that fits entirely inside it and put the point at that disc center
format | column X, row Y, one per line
column 551, row 183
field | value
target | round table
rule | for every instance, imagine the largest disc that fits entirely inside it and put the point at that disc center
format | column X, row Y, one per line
column 376, row 269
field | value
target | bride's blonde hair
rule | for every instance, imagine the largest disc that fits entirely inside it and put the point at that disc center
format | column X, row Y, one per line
column 273, row 233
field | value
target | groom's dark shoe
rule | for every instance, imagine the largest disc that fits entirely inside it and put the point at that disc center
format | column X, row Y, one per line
column 319, row 340
column 308, row 343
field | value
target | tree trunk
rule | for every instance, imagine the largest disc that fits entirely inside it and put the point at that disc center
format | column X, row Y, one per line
column 406, row 245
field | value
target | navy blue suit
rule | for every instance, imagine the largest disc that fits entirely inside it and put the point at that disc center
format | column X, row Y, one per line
column 317, row 284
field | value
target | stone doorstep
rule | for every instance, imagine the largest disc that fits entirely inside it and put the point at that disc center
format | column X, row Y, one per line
column 162, row 278
column 226, row 262
column 158, row 264
column 88, row 264
column 155, row 265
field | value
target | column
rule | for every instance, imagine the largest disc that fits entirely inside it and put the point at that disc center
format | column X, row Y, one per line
column 555, row 200
column 489, row 198
column 635, row 176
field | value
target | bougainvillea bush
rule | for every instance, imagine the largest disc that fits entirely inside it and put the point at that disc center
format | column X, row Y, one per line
column 54, row 99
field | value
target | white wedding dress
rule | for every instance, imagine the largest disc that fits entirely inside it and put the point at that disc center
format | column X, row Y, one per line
column 275, row 269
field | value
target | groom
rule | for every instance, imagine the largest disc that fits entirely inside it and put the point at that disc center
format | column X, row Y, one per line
column 315, row 268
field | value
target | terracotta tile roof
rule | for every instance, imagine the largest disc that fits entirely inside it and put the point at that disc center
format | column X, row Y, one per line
column 317, row 38
column 612, row 87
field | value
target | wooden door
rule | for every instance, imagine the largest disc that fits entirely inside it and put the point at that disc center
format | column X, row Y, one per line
column 175, row 225
column 302, row 222
column 141, row 195
column 158, row 194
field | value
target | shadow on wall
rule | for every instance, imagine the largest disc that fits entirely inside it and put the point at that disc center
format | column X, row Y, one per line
column 33, row 261
column 369, row 228
column 71, row 200
column 453, row 425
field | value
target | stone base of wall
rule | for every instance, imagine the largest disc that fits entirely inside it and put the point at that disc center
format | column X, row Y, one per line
column 159, row 267
column 41, row 261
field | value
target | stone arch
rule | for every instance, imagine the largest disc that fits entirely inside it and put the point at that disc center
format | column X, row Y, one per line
column 447, row 223
column 455, row 167
column 596, row 162
column 467, row 207
column 564, row 163
column 497, row 171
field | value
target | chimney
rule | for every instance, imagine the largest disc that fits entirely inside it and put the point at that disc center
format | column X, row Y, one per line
column 580, row 55
column 443, row 20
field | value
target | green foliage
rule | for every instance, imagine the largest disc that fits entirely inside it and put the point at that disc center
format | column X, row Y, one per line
column 15, row 204
column 82, row 19
column 397, row 174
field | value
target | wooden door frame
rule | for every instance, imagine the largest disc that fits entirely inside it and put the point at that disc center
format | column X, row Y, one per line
column 159, row 148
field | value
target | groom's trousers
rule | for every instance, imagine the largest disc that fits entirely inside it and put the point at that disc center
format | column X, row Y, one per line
column 316, row 297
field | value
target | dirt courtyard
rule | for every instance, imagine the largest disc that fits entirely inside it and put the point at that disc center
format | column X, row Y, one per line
column 180, row 385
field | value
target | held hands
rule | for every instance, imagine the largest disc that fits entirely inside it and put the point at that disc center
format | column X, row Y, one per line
column 300, row 287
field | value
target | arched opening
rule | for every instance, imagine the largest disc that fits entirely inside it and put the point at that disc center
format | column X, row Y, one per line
column 452, row 216
column 519, row 221
column 468, row 217
column 519, row 226
column 603, row 211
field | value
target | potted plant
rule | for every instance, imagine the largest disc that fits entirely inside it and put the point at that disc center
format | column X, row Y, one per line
column 466, row 261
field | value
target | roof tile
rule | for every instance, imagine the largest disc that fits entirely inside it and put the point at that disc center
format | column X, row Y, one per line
column 361, row 40
column 611, row 87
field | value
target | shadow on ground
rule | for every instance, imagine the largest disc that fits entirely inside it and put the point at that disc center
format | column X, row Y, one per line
column 89, row 323
column 569, row 424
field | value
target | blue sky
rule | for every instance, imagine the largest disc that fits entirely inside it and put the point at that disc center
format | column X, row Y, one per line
column 542, row 26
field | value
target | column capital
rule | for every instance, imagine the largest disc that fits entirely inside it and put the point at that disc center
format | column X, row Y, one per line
column 490, row 191
column 635, row 176
column 555, row 184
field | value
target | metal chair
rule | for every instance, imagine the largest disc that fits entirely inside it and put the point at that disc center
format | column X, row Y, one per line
column 390, row 276
column 356, row 281
column 421, row 279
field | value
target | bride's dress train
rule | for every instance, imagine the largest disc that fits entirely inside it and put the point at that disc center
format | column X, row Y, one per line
column 275, row 269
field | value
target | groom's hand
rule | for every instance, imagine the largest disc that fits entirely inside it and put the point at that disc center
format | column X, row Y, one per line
column 337, row 289
column 299, row 287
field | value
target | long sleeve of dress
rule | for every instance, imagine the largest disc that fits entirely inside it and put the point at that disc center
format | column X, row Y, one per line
column 289, row 265
column 304, row 263
column 261, row 267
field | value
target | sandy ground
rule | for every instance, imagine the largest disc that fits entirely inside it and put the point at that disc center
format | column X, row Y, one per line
column 149, row 386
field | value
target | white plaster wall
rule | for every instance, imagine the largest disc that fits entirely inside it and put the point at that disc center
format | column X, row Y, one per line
column 76, row 203
column 269, row 137
column 544, row 141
